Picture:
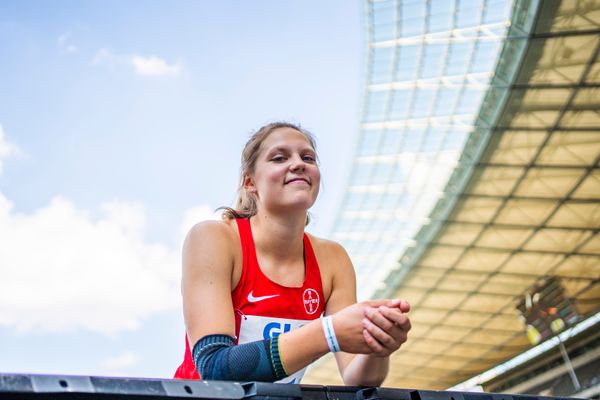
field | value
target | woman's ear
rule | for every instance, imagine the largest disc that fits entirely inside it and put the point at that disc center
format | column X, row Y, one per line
column 248, row 184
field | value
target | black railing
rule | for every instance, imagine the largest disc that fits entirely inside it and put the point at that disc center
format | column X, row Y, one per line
column 63, row 387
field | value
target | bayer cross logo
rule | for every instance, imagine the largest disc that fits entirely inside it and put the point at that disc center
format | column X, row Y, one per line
column 310, row 298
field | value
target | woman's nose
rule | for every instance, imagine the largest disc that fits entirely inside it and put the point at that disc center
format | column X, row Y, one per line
column 297, row 163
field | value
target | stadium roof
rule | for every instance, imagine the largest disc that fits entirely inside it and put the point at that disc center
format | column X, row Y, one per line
column 522, row 202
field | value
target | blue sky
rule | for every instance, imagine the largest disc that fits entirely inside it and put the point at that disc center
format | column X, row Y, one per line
column 121, row 124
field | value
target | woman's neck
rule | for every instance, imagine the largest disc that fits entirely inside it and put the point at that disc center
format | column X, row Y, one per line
column 279, row 236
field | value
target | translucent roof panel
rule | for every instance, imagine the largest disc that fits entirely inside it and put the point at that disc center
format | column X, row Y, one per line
column 430, row 64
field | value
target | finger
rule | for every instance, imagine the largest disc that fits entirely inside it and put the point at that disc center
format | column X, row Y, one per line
column 396, row 325
column 402, row 325
column 404, row 306
column 378, row 318
column 401, row 338
column 386, row 339
column 375, row 303
column 373, row 344
column 396, row 317
column 393, row 303
column 408, row 326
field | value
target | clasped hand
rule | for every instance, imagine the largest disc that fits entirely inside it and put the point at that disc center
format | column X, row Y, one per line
column 386, row 327
column 377, row 327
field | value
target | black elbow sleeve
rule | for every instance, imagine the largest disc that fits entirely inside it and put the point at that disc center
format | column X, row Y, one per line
column 217, row 358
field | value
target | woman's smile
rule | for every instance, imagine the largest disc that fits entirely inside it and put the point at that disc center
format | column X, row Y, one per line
column 298, row 181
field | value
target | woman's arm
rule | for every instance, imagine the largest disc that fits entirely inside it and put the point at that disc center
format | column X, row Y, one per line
column 383, row 323
column 208, row 261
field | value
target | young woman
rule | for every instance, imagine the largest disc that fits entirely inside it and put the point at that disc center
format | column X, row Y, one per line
column 255, row 285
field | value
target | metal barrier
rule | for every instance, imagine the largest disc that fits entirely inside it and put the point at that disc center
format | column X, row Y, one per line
column 70, row 387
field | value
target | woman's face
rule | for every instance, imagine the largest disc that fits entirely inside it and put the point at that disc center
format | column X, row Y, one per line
column 286, row 174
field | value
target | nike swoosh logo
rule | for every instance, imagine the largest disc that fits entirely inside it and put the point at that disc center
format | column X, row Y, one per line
column 253, row 299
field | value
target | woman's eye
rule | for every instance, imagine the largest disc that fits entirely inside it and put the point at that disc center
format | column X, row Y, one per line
column 308, row 158
column 278, row 158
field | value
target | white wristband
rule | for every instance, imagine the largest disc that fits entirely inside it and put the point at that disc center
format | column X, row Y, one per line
column 330, row 334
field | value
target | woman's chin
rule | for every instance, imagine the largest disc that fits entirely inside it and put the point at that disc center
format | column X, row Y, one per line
column 300, row 205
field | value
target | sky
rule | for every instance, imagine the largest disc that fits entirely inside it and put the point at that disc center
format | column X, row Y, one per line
column 122, row 125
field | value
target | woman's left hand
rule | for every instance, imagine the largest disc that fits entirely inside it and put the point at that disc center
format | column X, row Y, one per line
column 386, row 327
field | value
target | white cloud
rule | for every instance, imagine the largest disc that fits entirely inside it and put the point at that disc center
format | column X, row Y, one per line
column 64, row 45
column 62, row 271
column 6, row 149
column 152, row 66
column 126, row 360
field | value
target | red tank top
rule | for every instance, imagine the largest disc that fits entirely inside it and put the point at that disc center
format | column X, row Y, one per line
column 264, row 309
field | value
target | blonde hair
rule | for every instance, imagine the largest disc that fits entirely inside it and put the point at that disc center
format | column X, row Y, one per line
column 245, row 205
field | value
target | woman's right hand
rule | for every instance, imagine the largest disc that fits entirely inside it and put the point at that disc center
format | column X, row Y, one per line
column 386, row 327
column 348, row 326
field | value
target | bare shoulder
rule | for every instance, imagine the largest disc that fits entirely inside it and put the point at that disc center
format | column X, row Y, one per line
column 209, row 244
column 212, row 232
column 328, row 250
